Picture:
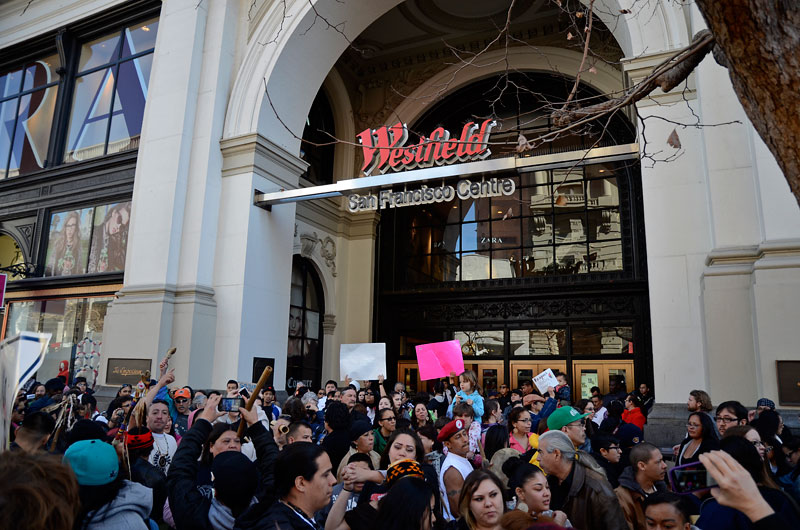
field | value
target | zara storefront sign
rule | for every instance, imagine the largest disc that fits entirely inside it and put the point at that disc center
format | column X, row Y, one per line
column 464, row 189
column 385, row 148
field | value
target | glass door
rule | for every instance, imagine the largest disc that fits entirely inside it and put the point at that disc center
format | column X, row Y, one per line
column 588, row 374
column 490, row 374
column 522, row 370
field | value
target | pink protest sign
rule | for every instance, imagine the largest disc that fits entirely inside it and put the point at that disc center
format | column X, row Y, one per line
column 438, row 359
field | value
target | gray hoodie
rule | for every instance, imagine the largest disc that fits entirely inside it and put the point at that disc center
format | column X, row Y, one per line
column 130, row 510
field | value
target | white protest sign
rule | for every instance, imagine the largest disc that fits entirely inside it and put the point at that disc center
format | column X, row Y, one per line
column 362, row 362
column 20, row 357
column 544, row 380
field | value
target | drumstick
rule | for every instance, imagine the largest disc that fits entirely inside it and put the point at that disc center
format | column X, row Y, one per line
column 252, row 399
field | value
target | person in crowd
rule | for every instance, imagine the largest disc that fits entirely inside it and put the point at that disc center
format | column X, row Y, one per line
column 314, row 416
column 504, row 396
column 182, row 398
column 385, row 425
column 613, row 417
column 139, row 442
column 345, row 494
column 337, row 441
column 791, row 480
column 469, row 394
column 330, row 386
column 438, row 403
column 700, row 401
column 304, row 483
column 371, row 403
column 531, row 488
column 232, row 386
column 480, row 502
column 280, row 428
column 700, row 439
column 526, row 387
column 164, row 444
column 38, row 492
column 360, row 397
column 761, row 405
column 268, row 404
column 730, row 414
column 401, row 411
column 299, row 431
column 54, row 389
column 644, row 478
column 607, row 452
column 767, row 424
column 198, row 403
column 120, row 408
column 563, row 391
column 667, row 510
column 519, row 428
column 616, row 390
column 410, row 503
column 515, row 400
column 455, row 467
column 464, row 412
column 38, row 390
column 749, row 433
column 106, row 499
column 600, row 410
column 434, row 455
column 494, row 439
column 361, row 441
column 646, row 396
column 579, row 487
column 633, row 411
column 34, row 433
column 714, row 515
column 80, row 384
column 349, row 397
column 235, row 478
column 585, row 406
column 573, row 424
column 420, row 415
column 492, row 414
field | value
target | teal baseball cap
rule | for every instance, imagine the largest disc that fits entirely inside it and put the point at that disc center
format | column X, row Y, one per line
column 94, row 462
column 562, row 417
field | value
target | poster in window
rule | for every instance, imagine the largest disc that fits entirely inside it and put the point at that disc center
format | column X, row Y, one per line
column 68, row 247
column 110, row 237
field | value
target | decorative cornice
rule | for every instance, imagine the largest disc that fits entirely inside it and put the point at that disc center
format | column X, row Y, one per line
column 253, row 153
column 167, row 294
column 776, row 254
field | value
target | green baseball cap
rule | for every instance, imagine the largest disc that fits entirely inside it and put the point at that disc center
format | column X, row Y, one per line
column 562, row 417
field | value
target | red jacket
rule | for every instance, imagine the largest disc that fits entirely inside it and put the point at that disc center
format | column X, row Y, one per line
column 634, row 416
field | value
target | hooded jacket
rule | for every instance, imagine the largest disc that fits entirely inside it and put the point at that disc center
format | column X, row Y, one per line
column 590, row 502
column 130, row 510
column 631, row 496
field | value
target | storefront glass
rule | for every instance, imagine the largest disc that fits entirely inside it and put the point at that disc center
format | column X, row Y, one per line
column 76, row 325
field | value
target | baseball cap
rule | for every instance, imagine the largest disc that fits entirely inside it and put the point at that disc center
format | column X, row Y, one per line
column 182, row 392
column 563, row 416
column 94, row 462
column 764, row 402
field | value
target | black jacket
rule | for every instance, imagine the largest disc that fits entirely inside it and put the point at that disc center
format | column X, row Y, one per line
column 275, row 516
column 336, row 444
column 149, row 475
column 188, row 504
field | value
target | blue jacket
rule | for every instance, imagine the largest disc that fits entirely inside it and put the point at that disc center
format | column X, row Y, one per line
column 477, row 404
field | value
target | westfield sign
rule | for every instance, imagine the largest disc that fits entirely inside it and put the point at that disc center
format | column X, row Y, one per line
column 385, row 148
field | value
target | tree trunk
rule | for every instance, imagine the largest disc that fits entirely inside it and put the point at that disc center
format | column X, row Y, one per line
column 761, row 43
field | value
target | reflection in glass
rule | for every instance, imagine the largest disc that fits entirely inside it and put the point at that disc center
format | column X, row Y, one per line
column 571, row 259
column 98, row 52
column 296, row 293
column 605, row 256
column 474, row 266
column 129, row 100
column 89, row 115
column 538, row 342
column 295, row 321
column 312, row 324
column 602, row 340
column 537, row 261
column 602, row 193
column 506, row 263
column 570, row 227
column 480, row 343
column 140, row 37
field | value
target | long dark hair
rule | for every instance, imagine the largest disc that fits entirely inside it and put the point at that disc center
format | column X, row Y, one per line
column 407, row 502
column 95, row 501
column 216, row 431
column 472, row 483
column 420, row 449
column 708, row 426
column 496, row 439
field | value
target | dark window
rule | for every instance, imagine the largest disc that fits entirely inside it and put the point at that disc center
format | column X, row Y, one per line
column 306, row 311
column 318, row 143
column 100, row 91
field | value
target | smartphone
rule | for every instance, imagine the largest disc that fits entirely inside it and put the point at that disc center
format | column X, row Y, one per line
column 690, row 477
column 244, row 393
column 230, row 404
column 30, row 397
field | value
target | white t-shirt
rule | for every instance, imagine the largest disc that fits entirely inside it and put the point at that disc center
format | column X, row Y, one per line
column 164, row 447
column 464, row 467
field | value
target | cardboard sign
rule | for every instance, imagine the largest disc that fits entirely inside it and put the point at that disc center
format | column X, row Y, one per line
column 20, row 357
column 362, row 362
column 544, row 380
column 439, row 359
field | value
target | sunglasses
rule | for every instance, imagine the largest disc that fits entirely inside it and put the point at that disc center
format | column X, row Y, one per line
column 181, row 400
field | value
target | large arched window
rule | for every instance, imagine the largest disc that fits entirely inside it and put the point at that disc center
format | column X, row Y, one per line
column 306, row 310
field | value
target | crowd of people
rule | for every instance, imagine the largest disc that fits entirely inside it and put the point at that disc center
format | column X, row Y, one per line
column 368, row 455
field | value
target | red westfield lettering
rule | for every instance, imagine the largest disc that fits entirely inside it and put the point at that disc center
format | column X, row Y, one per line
column 385, row 148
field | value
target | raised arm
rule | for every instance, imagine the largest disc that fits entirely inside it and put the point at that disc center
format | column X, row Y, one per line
column 143, row 404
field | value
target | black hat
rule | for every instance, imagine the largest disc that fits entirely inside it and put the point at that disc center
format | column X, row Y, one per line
column 85, row 430
column 54, row 384
column 235, row 477
column 358, row 429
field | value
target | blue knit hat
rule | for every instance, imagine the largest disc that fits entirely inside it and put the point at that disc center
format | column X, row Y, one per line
column 94, row 462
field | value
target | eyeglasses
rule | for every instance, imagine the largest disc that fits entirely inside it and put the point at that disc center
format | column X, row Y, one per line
column 526, row 420
column 725, row 419
column 181, row 400
column 614, row 448
column 391, row 418
column 580, row 423
column 758, row 443
column 370, row 393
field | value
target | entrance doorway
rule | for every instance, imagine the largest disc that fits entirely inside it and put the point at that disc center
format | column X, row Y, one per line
column 588, row 374
column 522, row 370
